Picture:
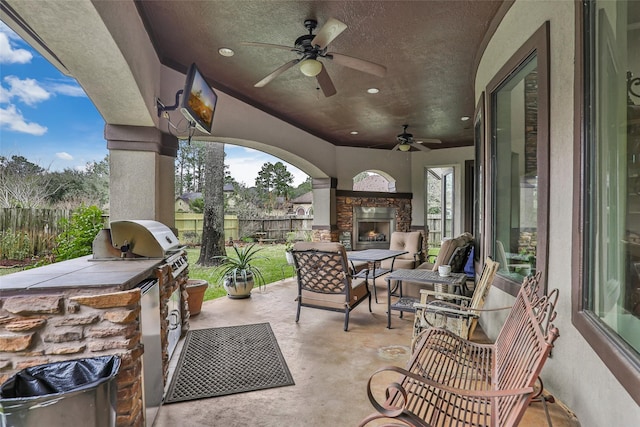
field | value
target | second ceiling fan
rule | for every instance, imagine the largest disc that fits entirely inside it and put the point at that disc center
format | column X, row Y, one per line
column 310, row 48
column 406, row 141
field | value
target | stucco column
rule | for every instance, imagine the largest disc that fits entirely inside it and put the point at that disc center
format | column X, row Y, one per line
column 141, row 173
column 324, row 209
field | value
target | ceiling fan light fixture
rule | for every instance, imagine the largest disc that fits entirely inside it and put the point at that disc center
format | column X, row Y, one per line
column 311, row 67
column 404, row 147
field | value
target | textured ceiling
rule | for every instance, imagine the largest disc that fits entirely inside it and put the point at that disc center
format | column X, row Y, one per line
column 428, row 48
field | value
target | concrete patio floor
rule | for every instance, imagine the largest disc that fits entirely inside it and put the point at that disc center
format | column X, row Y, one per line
column 330, row 367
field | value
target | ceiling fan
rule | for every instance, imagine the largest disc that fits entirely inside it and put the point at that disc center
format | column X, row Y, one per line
column 310, row 48
column 406, row 141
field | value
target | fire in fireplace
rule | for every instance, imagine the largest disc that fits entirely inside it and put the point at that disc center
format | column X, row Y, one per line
column 372, row 227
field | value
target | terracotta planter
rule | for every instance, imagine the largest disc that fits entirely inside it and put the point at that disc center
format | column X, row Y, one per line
column 196, row 290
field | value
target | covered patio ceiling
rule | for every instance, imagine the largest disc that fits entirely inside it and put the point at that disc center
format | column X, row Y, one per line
column 429, row 49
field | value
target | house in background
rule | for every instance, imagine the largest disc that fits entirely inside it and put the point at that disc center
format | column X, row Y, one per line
column 302, row 205
column 183, row 202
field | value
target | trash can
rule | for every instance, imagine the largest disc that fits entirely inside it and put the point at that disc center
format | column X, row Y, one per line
column 61, row 394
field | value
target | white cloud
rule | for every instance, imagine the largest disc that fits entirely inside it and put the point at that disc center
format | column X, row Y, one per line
column 27, row 90
column 5, row 96
column 64, row 156
column 66, row 89
column 9, row 55
column 11, row 118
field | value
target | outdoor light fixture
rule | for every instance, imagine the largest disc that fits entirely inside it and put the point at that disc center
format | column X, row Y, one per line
column 404, row 147
column 225, row 51
column 311, row 67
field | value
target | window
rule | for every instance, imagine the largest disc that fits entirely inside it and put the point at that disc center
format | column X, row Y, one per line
column 518, row 146
column 607, row 294
column 374, row 181
column 439, row 204
column 478, row 191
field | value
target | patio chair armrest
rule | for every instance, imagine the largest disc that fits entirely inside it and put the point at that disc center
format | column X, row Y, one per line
column 446, row 295
column 445, row 307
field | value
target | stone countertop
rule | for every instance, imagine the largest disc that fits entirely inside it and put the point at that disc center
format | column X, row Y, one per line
column 81, row 272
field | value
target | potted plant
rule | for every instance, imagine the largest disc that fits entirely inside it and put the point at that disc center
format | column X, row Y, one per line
column 238, row 272
column 288, row 247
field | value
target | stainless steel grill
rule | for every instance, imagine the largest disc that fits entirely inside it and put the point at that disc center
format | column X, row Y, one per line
column 135, row 240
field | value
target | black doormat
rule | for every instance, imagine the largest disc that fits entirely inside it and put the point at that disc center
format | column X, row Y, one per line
column 228, row 360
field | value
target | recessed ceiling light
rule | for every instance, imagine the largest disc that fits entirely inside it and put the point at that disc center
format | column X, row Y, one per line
column 464, row 118
column 373, row 90
column 225, row 51
column 354, row 132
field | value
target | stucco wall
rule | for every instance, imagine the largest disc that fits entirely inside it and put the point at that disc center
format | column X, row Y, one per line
column 574, row 374
column 349, row 162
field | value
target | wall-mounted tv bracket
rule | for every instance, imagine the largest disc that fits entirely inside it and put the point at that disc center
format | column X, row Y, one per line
column 162, row 108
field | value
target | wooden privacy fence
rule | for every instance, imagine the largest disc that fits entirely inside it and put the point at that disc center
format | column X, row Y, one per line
column 189, row 226
column 29, row 231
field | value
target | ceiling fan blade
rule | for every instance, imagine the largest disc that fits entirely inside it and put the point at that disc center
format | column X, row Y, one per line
column 274, row 46
column 329, row 31
column 396, row 148
column 325, row 83
column 276, row 73
column 420, row 147
column 358, row 64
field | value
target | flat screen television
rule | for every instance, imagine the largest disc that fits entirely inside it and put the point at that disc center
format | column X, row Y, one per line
column 198, row 100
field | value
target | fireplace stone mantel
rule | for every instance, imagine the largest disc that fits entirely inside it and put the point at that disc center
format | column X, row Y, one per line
column 346, row 201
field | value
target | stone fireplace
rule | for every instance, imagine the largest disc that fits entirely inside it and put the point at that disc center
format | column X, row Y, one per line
column 365, row 220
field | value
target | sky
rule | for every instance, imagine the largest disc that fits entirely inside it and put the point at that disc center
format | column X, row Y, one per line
column 47, row 118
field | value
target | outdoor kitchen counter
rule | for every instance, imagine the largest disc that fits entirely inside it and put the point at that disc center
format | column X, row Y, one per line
column 81, row 273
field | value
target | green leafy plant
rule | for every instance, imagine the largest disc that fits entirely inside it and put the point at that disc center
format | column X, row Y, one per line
column 77, row 238
column 239, row 265
column 15, row 245
column 291, row 239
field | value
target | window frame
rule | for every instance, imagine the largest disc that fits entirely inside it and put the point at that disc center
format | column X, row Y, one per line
column 537, row 44
column 480, row 180
column 618, row 357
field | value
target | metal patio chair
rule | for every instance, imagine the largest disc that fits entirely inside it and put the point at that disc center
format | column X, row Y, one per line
column 325, row 281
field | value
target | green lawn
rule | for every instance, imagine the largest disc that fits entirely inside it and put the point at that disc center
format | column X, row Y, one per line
column 9, row 270
column 273, row 268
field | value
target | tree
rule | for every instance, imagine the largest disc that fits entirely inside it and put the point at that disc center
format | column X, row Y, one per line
column 22, row 183
column 273, row 180
column 190, row 165
column 213, row 224
column 303, row 188
column 89, row 187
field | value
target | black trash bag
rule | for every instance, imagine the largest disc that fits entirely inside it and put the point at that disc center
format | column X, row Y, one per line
column 60, row 377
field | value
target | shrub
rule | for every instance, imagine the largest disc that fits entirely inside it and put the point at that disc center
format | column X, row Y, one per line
column 14, row 245
column 77, row 238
